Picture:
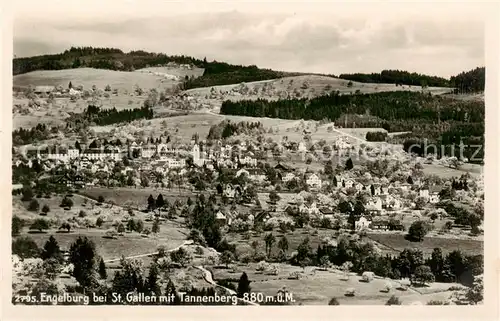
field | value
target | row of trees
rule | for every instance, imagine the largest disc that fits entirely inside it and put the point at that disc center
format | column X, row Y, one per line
column 398, row 77
column 227, row 129
column 410, row 263
column 38, row 133
column 111, row 116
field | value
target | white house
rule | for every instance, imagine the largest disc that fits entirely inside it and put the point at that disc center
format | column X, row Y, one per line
column 349, row 183
column 359, row 187
column 313, row 181
column 288, row 177
column 302, row 147
column 361, row 224
column 375, row 203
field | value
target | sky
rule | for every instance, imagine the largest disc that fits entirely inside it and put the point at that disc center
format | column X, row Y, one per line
column 321, row 37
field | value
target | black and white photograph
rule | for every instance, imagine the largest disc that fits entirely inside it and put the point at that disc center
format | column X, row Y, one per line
column 223, row 154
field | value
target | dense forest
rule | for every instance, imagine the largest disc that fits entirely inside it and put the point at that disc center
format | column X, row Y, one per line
column 389, row 106
column 467, row 82
column 398, row 77
column 111, row 116
column 440, row 120
column 216, row 73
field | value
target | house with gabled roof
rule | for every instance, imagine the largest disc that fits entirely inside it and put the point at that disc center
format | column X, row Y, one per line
column 314, row 181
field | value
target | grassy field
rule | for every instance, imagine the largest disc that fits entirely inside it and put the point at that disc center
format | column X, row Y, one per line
column 294, row 239
column 99, row 77
column 447, row 173
column 316, row 86
column 134, row 197
column 127, row 245
column 318, row 287
column 395, row 243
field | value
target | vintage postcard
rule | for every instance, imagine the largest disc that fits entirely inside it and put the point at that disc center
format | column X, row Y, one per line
column 250, row 154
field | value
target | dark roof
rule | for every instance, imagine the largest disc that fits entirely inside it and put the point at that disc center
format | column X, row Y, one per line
column 283, row 167
column 260, row 216
column 326, row 210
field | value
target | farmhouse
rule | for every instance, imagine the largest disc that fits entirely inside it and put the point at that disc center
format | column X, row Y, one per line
column 361, row 224
column 313, row 181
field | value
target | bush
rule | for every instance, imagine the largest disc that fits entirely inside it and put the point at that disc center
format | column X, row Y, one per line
column 417, row 231
column 99, row 221
column 33, row 206
column 198, row 250
column 376, row 136
column 393, row 300
column 45, row 209
column 82, row 214
column 40, row 225
column 17, row 225
column 25, row 247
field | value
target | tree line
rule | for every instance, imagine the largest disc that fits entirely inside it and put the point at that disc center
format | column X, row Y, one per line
column 98, row 116
column 389, row 106
column 398, row 77
column 471, row 81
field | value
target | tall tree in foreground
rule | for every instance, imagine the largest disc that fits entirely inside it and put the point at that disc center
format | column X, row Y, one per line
column 102, row 270
column 243, row 285
column 17, row 225
column 270, row 240
column 51, row 250
column 82, row 255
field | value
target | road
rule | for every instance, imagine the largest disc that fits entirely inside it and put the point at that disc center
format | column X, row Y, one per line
column 208, row 277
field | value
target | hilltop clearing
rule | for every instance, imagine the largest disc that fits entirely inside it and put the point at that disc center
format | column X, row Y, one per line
column 88, row 77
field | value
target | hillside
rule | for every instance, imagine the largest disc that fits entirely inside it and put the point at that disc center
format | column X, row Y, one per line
column 87, row 77
column 304, row 86
column 215, row 73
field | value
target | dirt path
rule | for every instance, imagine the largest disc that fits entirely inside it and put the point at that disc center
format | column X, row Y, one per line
column 208, row 277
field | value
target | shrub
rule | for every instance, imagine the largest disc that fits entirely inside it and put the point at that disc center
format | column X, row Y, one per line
column 33, row 206
column 82, row 214
column 417, row 231
column 45, row 209
column 99, row 221
column 376, row 136
column 25, row 247
column 350, row 292
column 198, row 250
column 17, row 225
column 40, row 225
column 393, row 300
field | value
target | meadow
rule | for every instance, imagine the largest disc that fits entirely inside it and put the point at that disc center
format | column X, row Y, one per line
column 395, row 243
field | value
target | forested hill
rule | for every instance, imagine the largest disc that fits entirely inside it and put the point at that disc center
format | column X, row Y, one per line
column 398, row 77
column 216, row 73
column 471, row 81
column 398, row 105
